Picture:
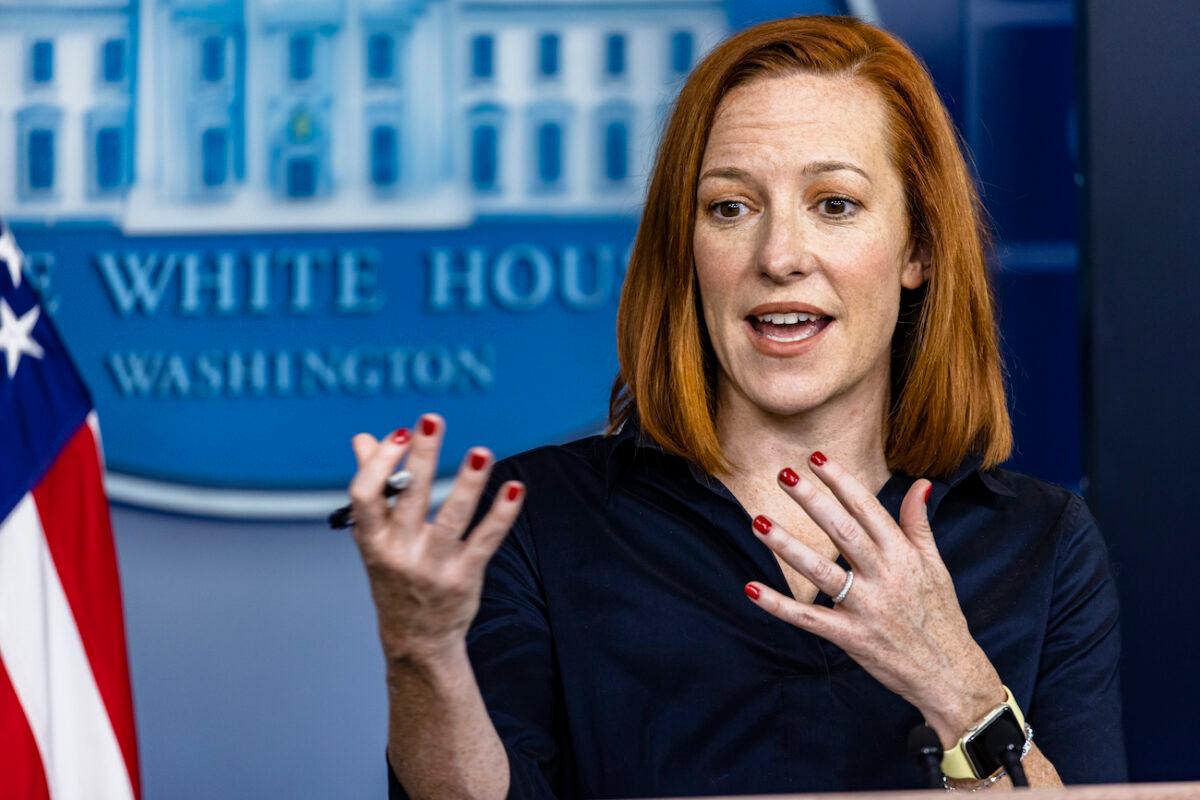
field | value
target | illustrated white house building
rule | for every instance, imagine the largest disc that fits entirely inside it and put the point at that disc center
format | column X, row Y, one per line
column 257, row 115
column 65, row 109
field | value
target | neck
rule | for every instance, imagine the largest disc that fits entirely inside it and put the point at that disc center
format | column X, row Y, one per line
column 848, row 429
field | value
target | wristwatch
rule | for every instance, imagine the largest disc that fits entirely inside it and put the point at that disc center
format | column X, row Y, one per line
column 977, row 754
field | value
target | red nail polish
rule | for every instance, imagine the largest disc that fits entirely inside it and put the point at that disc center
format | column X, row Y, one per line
column 762, row 525
column 788, row 476
column 818, row 458
column 514, row 492
column 428, row 426
column 400, row 436
column 478, row 461
column 928, row 491
column 751, row 591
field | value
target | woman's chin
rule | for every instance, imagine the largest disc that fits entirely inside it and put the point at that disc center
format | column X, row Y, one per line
column 787, row 401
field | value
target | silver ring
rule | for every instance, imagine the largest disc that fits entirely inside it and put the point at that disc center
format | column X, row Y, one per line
column 845, row 587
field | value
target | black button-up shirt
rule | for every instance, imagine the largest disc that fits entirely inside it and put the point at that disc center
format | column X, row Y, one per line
column 618, row 656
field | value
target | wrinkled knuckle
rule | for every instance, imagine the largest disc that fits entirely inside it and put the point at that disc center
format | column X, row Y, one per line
column 822, row 570
column 358, row 492
column 847, row 530
column 442, row 526
column 452, row 521
column 807, row 492
column 866, row 506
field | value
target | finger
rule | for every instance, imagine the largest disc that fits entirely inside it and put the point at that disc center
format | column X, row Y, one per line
column 824, row 574
column 857, row 499
column 827, row 511
column 367, row 501
column 364, row 445
column 491, row 530
column 458, row 508
column 914, row 516
column 412, row 505
column 825, row 622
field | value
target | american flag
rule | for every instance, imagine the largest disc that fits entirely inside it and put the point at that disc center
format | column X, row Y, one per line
column 66, row 710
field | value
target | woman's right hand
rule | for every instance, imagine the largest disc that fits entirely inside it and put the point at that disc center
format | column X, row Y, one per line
column 425, row 578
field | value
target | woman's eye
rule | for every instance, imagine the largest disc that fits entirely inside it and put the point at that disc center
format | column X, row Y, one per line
column 839, row 206
column 728, row 209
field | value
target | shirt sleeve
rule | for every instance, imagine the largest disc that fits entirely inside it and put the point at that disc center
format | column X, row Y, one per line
column 509, row 644
column 1076, row 707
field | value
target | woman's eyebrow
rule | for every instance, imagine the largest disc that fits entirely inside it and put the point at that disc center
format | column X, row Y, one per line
column 812, row 168
column 817, row 167
column 732, row 173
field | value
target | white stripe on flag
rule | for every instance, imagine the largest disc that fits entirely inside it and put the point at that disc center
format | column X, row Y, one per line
column 40, row 644
column 93, row 421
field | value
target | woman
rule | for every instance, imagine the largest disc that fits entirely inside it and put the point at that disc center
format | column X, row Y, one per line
column 805, row 326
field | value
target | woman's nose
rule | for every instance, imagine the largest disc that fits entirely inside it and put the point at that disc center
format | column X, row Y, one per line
column 782, row 247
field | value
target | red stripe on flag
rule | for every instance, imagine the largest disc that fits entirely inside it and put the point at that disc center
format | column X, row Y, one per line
column 23, row 773
column 74, row 512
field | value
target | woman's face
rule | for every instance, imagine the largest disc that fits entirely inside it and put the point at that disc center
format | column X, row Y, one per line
column 801, row 243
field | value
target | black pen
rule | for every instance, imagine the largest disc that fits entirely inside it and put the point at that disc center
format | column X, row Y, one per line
column 397, row 482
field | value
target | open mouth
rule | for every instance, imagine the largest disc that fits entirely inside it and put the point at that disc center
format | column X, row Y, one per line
column 791, row 326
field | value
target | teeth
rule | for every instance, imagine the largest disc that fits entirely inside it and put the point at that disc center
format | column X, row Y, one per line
column 807, row 334
column 790, row 318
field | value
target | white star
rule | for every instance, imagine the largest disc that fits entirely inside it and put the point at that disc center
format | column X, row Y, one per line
column 15, row 337
column 11, row 255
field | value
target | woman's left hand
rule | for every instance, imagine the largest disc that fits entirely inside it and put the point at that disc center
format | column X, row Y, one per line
column 901, row 620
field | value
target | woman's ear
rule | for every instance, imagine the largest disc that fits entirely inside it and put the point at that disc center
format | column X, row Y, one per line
column 916, row 269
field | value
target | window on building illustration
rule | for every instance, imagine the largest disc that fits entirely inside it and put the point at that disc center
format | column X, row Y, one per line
column 214, row 157
column 212, row 59
column 41, row 159
column 109, row 164
column 681, row 52
column 614, row 55
column 616, row 151
column 112, row 61
column 301, row 176
column 300, row 56
column 484, row 166
column 381, row 57
column 548, row 55
column 549, row 152
column 41, row 55
column 385, row 160
column 482, row 47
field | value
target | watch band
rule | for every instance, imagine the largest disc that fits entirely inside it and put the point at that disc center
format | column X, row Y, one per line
column 955, row 763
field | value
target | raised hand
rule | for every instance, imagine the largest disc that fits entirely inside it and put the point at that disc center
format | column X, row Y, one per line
column 900, row 620
column 425, row 577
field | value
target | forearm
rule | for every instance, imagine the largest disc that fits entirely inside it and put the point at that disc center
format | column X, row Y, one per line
column 441, row 741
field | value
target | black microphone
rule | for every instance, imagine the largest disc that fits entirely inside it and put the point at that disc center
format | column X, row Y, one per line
column 1010, row 757
column 926, row 748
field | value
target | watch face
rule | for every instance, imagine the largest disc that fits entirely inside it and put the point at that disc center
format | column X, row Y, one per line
column 984, row 748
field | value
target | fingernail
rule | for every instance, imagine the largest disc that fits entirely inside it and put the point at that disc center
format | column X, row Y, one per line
column 514, row 492
column 818, row 458
column 787, row 476
column 428, row 426
column 400, row 436
column 751, row 591
column 762, row 525
column 478, row 461
column 928, row 491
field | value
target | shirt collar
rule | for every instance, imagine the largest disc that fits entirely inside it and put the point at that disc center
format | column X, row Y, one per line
column 627, row 439
column 972, row 466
